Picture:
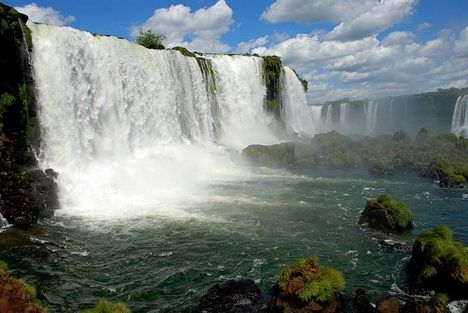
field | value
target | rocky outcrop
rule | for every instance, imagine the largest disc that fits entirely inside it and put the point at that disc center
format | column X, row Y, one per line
column 233, row 296
column 439, row 263
column 420, row 305
column 388, row 304
column 15, row 295
column 279, row 155
column 386, row 215
column 26, row 193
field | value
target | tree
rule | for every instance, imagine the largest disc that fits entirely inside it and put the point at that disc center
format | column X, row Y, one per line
column 150, row 40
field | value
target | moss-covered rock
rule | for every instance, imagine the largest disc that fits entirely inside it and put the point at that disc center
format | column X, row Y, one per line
column 104, row 306
column 439, row 263
column 436, row 304
column 272, row 71
column 279, row 155
column 185, row 52
column 387, row 215
column 307, row 286
column 16, row 295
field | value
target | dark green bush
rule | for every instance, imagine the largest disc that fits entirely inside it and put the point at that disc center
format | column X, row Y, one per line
column 400, row 212
column 104, row 306
column 150, row 40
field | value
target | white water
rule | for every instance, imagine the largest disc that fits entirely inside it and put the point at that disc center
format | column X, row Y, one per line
column 460, row 117
column 371, row 110
column 132, row 130
column 344, row 116
column 298, row 115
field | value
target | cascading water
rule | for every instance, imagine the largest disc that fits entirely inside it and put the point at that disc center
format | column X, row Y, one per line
column 344, row 116
column 460, row 117
column 135, row 130
column 299, row 116
column 371, row 109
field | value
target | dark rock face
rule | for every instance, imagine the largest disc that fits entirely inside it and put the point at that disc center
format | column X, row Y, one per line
column 26, row 193
column 233, row 296
column 417, row 305
column 361, row 303
column 279, row 155
column 378, row 217
column 388, row 304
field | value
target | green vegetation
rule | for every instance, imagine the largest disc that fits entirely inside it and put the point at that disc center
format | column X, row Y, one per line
column 399, row 211
column 272, row 69
column 185, row 51
column 442, row 252
column 6, row 101
column 208, row 73
column 440, row 300
column 319, row 282
column 150, row 40
column 15, row 294
column 104, row 306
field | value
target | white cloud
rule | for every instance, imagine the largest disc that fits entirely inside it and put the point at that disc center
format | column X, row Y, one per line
column 383, row 15
column 369, row 67
column 44, row 15
column 247, row 46
column 424, row 26
column 199, row 31
column 314, row 11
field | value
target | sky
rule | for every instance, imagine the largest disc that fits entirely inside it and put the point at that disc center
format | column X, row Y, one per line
column 353, row 49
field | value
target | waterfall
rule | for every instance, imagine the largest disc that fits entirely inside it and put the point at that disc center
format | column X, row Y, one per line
column 460, row 117
column 298, row 116
column 344, row 116
column 136, row 130
column 371, row 109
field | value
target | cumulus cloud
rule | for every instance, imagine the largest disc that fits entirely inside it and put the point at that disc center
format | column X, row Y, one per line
column 200, row 30
column 246, row 46
column 354, row 19
column 383, row 15
column 315, row 11
column 44, row 15
column 370, row 68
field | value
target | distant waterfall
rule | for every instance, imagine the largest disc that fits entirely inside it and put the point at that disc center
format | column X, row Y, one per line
column 371, row 108
column 131, row 129
column 344, row 116
column 460, row 117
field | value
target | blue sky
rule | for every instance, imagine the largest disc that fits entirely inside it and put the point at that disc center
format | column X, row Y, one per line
column 356, row 49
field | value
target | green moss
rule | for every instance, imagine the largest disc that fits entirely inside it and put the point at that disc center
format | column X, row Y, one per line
column 320, row 282
column 440, row 300
column 208, row 73
column 440, row 247
column 272, row 69
column 400, row 212
column 6, row 101
column 3, row 268
column 185, row 51
column 104, row 306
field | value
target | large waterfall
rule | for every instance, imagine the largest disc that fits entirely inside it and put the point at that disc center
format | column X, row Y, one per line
column 131, row 129
column 460, row 117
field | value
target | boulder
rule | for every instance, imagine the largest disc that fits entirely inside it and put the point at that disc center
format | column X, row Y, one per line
column 439, row 263
column 420, row 305
column 386, row 215
column 279, row 155
column 361, row 303
column 233, row 296
column 388, row 304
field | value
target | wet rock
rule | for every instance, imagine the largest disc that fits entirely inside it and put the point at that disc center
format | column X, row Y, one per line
column 386, row 215
column 274, row 156
column 233, row 296
column 394, row 245
column 361, row 303
column 419, row 305
column 388, row 304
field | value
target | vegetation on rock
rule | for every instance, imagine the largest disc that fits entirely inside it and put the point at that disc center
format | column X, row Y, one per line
column 400, row 212
column 104, row 306
column 272, row 70
column 16, row 295
column 148, row 39
column 440, row 263
column 184, row 51
column 309, row 280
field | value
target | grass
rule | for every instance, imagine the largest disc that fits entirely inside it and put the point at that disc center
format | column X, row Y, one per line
column 440, row 247
column 320, row 282
column 104, row 306
column 400, row 212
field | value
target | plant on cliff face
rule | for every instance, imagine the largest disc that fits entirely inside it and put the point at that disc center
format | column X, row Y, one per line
column 400, row 212
column 319, row 282
column 440, row 248
column 150, row 40
column 104, row 306
column 272, row 69
column 6, row 101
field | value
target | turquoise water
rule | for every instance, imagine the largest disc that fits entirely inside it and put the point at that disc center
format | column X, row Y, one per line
column 245, row 229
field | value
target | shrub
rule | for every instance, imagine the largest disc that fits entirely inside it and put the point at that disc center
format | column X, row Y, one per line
column 150, row 40
column 320, row 282
column 400, row 212
column 104, row 306
column 440, row 247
